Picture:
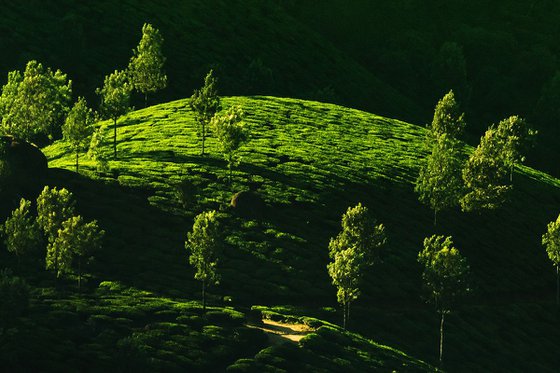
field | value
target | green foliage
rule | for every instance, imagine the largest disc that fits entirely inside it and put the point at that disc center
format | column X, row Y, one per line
column 354, row 248
column 516, row 137
column 146, row 66
column 551, row 240
column 34, row 103
column 439, row 184
column 78, row 127
column 230, row 133
column 205, row 103
column 14, row 293
column 448, row 118
column 445, row 272
column 21, row 231
column 75, row 239
column 115, row 100
column 54, row 206
column 203, row 245
column 485, row 174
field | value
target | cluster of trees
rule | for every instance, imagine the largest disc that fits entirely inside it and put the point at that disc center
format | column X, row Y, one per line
column 481, row 182
column 36, row 104
column 70, row 240
column 227, row 126
column 357, row 246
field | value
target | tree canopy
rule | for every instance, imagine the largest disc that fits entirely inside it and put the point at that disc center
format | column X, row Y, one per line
column 146, row 66
column 34, row 103
column 78, row 127
column 203, row 245
column 230, row 132
column 115, row 100
column 205, row 102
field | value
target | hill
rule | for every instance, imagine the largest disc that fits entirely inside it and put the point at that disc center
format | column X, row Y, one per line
column 309, row 161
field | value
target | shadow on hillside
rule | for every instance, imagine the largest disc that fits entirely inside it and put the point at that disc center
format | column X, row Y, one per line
column 143, row 246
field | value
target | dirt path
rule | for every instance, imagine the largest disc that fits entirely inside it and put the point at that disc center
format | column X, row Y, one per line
column 281, row 332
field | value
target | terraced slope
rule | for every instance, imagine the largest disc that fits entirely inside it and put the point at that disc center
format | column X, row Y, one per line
column 309, row 161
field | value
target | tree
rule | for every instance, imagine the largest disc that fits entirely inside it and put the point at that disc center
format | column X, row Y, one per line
column 75, row 239
column 551, row 241
column 78, row 127
column 448, row 118
column 444, row 277
column 34, row 103
column 515, row 137
column 53, row 208
column 21, row 231
column 205, row 102
column 115, row 100
column 353, row 249
column 439, row 184
column 230, row 132
column 146, row 66
column 485, row 174
column 203, row 244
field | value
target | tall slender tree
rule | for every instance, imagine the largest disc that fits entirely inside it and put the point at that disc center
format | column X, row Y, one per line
column 205, row 102
column 54, row 206
column 439, row 184
column 352, row 250
column 551, row 241
column 21, row 232
column 78, row 127
column 203, row 245
column 516, row 136
column 115, row 100
column 445, row 277
column 146, row 66
column 485, row 174
column 230, row 132
column 75, row 241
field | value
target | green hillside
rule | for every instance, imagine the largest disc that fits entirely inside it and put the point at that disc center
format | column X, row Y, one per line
column 309, row 161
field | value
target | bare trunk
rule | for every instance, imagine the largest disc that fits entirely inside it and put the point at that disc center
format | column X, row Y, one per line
column 115, row 138
column 79, row 274
column 441, row 339
column 203, row 136
column 145, row 100
column 435, row 217
column 557, row 287
column 344, row 316
column 203, row 296
column 77, row 155
column 511, row 174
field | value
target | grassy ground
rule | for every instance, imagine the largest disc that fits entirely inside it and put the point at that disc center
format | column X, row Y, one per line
column 309, row 161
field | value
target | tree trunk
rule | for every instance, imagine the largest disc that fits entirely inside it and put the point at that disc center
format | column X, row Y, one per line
column 344, row 316
column 511, row 174
column 557, row 287
column 229, row 167
column 435, row 217
column 77, row 155
column 145, row 100
column 347, row 316
column 441, row 339
column 203, row 296
column 203, row 136
column 115, row 138
column 79, row 275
